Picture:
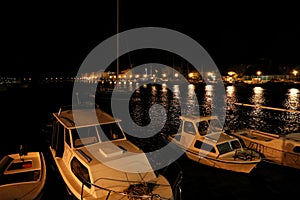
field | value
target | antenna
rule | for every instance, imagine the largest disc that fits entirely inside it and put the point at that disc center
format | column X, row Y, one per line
column 77, row 96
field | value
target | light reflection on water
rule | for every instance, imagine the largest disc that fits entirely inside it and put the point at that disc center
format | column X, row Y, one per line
column 292, row 100
column 272, row 121
column 269, row 120
column 257, row 114
column 208, row 99
column 292, row 119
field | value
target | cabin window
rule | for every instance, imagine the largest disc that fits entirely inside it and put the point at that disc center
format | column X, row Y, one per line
column 180, row 127
column 224, row 148
column 57, row 142
column 215, row 125
column 296, row 149
column 204, row 146
column 189, row 128
column 80, row 171
column 235, row 144
column 177, row 136
column 84, row 136
column 202, row 127
column 110, row 131
column 67, row 137
column 206, row 127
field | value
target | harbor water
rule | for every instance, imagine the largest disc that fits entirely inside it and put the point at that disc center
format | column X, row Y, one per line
column 26, row 113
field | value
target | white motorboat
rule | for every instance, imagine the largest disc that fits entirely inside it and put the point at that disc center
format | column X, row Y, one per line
column 278, row 149
column 22, row 176
column 88, row 152
column 203, row 140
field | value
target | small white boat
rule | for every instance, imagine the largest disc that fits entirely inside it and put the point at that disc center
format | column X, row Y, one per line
column 203, row 140
column 22, row 176
column 283, row 150
column 86, row 162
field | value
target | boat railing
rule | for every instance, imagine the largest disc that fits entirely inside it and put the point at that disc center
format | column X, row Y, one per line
column 83, row 105
column 257, row 147
column 256, row 132
column 244, row 154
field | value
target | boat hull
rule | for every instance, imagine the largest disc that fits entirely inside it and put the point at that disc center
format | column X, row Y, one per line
column 274, row 149
column 228, row 163
column 243, row 167
column 31, row 190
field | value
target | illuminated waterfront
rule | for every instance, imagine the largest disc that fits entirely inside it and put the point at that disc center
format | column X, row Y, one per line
column 30, row 108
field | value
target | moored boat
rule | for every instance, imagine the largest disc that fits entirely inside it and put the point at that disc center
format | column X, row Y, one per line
column 22, row 176
column 203, row 140
column 88, row 154
column 278, row 149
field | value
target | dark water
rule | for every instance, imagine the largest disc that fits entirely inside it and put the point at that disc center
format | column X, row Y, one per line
column 27, row 110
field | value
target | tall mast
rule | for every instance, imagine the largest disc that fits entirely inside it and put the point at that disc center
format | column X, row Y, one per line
column 117, row 39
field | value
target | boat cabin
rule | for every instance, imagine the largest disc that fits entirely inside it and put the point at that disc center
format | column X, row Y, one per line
column 203, row 140
column 204, row 134
column 85, row 132
column 89, row 147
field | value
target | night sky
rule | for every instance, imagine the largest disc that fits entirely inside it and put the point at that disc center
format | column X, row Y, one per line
column 56, row 38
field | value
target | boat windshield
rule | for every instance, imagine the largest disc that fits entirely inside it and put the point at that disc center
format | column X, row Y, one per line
column 202, row 127
column 90, row 135
column 215, row 125
column 205, row 127
column 228, row 146
column 110, row 131
column 84, row 136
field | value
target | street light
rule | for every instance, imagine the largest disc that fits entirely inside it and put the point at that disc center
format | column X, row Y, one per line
column 295, row 72
column 258, row 73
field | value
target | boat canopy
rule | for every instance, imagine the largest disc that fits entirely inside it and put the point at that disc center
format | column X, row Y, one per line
column 84, row 118
column 193, row 118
